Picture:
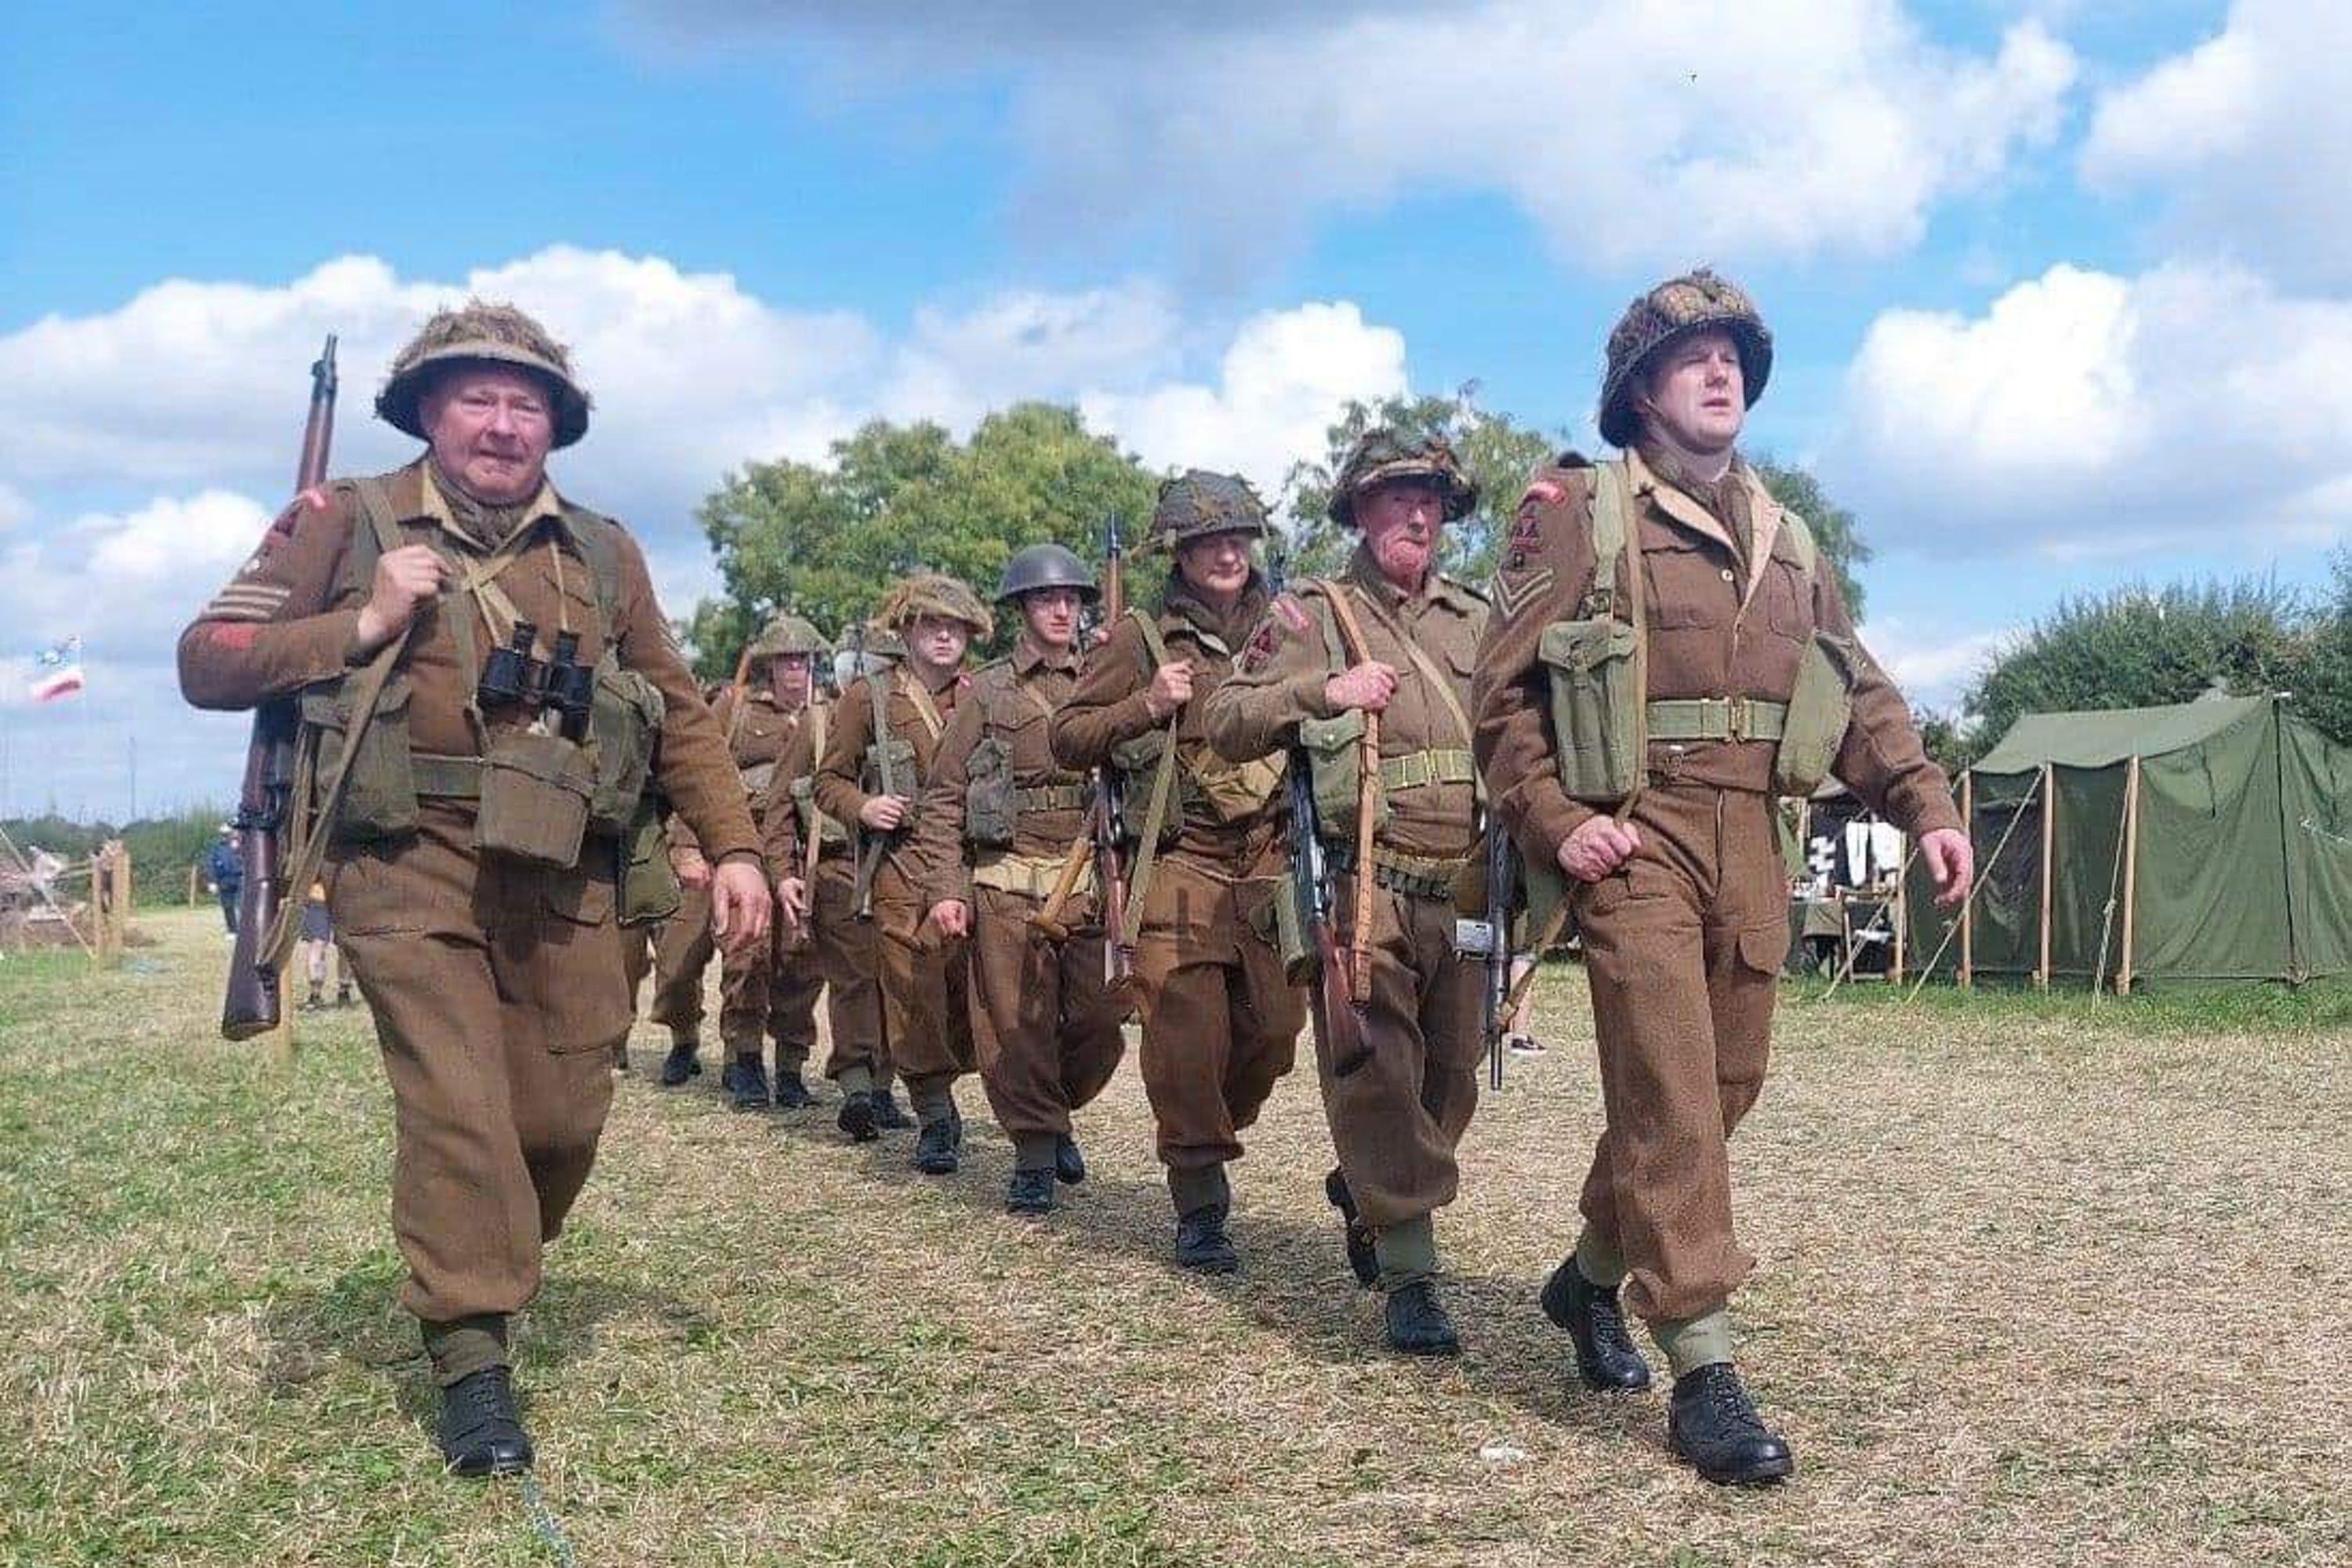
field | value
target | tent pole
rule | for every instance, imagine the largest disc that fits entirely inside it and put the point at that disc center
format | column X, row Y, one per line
column 2131, row 870
column 2049, row 844
column 1903, row 911
column 1968, row 909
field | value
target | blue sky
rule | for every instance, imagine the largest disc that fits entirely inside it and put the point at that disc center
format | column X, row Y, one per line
column 2061, row 291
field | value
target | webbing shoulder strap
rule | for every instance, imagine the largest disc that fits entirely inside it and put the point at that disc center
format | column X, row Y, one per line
column 1613, row 509
column 1163, row 787
column 1153, row 643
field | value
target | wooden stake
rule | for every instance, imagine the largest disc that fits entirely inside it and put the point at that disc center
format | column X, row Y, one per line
column 194, row 881
column 1902, row 912
column 2049, row 867
column 1968, row 909
column 2131, row 871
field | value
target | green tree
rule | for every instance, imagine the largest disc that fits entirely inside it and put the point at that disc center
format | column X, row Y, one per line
column 2326, row 696
column 1496, row 452
column 1834, row 530
column 2138, row 649
column 829, row 541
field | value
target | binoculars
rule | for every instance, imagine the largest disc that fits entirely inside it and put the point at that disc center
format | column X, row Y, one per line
column 561, row 687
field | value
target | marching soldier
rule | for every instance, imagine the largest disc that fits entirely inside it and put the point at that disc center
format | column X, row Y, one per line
column 1668, row 652
column 804, row 846
column 1219, row 1021
column 1393, row 638
column 1000, row 821
column 681, row 951
column 478, row 912
column 771, row 992
column 873, row 774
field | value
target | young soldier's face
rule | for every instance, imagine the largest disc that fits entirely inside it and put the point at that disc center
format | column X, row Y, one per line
column 1403, row 521
column 1052, row 615
column 1217, row 565
column 789, row 677
column 491, row 428
column 1696, row 393
column 939, row 641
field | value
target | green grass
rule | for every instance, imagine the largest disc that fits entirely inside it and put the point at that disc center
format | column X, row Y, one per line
column 2037, row 1282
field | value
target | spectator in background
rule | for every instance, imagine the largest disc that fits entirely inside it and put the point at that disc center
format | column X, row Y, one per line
column 318, row 940
column 224, row 874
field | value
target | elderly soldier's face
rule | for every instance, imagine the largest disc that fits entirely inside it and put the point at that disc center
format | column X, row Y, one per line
column 1696, row 397
column 789, row 677
column 1402, row 521
column 938, row 641
column 491, row 428
column 1052, row 615
column 1217, row 565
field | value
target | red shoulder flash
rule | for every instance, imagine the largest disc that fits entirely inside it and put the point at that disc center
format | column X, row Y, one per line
column 1259, row 650
column 235, row 635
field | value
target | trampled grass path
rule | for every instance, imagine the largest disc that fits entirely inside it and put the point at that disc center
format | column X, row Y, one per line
column 2036, row 1285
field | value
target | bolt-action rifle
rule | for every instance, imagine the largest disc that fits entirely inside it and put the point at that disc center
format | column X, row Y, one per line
column 1338, row 1028
column 1502, row 892
column 1101, row 840
column 264, row 798
column 872, row 845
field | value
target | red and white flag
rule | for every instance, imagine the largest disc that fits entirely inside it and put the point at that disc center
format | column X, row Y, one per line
column 57, row 671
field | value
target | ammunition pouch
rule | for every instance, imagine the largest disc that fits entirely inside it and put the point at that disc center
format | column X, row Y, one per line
column 1414, row 876
column 804, row 794
column 647, row 886
column 1335, row 751
column 899, row 767
column 990, row 809
column 536, row 791
column 1596, row 707
column 1230, row 792
column 1136, row 761
column 625, row 721
column 1821, row 706
column 379, row 794
column 1030, row 875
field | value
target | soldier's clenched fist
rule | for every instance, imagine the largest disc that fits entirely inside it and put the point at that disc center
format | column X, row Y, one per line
column 1598, row 846
column 1367, row 685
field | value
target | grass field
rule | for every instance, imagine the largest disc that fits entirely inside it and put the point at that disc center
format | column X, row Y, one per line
column 2037, row 1285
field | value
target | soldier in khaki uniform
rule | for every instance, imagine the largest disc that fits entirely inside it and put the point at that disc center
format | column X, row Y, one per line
column 1395, row 637
column 1669, row 651
column 804, row 846
column 924, row 974
column 771, row 992
column 1219, row 1021
column 997, row 826
column 680, row 950
column 496, row 979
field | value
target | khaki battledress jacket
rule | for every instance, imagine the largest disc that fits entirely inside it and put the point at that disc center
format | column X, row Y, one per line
column 843, row 946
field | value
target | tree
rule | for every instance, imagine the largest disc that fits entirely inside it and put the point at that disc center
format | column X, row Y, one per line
column 1835, row 533
column 2326, row 696
column 1496, row 452
column 2138, row 648
column 828, row 542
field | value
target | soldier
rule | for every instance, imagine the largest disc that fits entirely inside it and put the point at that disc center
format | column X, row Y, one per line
column 773, row 991
column 1220, row 1020
column 1000, row 820
column 1669, row 651
column 494, row 969
column 1397, row 638
column 873, row 774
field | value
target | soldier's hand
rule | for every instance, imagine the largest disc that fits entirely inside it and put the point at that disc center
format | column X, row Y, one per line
column 740, row 906
column 1171, row 689
column 952, row 916
column 883, row 813
column 693, row 870
column 1598, row 846
column 1951, row 861
column 1367, row 685
column 792, row 902
column 404, row 579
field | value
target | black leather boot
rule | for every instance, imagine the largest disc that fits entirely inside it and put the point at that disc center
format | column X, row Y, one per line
column 887, row 1115
column 1202, row 1244
column 857, row 1117
column 1069, row 1165
column 481, row 1433
column 680, row 1064
column 1363, row 1262
column 938, row 1148
column 750, row 1085
column 792, row 1091
column 1030, row 1192
column 1418, row 1324
column 1606, row 1358
column 1712, row 1423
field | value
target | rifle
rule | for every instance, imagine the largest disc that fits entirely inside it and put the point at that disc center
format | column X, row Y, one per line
column 251, row 1004
column 873, row 846
column 1502, row 892
column 1338, row 1028
column 1099, row 840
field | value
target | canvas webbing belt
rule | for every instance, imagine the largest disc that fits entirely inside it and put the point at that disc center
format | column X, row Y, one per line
column 1052, row 797
column 1717, row 718
column 1417, row 770
column 1415, row 876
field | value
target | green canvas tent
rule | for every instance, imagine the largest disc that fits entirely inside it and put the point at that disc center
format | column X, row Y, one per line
column 2206, row 842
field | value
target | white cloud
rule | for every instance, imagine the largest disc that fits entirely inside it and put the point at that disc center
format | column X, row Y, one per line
column 2247, row 139
column 1027, row 343
column 1932, row 669
column 14, row 507
column 1635, row 134
column 126, row 580
column 2085, row 413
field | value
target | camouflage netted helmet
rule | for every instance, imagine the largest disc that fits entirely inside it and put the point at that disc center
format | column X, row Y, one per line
column 1676, row 309
column 934, row 593
column 1197, row 503
column 481, row 333
column 1382, row 455
column 1043, row 566
column 785, row 635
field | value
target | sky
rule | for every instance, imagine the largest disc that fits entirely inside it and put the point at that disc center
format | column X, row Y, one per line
column 2061, row 293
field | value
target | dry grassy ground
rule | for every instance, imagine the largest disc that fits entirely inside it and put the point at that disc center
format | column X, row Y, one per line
column 2036, row 1286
